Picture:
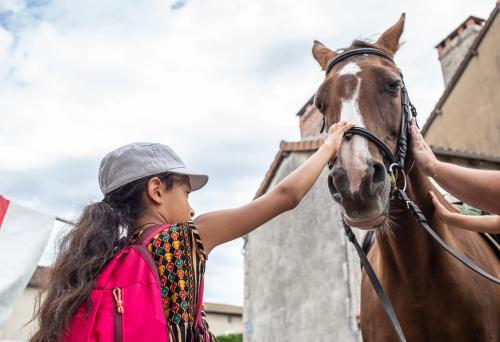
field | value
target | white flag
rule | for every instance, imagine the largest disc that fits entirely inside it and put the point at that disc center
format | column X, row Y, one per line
column 23, row 236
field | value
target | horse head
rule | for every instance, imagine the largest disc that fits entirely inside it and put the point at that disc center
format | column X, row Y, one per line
column 365, row 89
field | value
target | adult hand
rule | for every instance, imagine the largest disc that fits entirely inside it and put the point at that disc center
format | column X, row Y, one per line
column 443, row 213
column 422, row 154
column 335, row 135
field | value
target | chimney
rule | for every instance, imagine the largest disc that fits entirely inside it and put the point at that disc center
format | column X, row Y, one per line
column 310, row 121
column 454, row 48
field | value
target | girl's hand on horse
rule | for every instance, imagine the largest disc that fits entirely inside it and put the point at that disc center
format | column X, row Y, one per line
column 483, row 223
column 335, row 135
column 443, row 213
column 422, row 153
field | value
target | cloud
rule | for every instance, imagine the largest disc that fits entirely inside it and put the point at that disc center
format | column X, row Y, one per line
column 178, row 5
column 219, row 81
column 11, row 5
column 61, row 188
column 6, row 40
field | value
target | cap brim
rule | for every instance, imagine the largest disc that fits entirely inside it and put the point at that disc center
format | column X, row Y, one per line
column 196, row 180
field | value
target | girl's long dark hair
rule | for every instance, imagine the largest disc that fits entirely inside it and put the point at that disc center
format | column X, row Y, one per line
column 85, row 250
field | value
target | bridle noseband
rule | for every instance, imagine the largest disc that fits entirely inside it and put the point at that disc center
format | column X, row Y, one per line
column 396, row 162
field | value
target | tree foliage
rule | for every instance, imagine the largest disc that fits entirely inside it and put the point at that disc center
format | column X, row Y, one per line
column 230, row 338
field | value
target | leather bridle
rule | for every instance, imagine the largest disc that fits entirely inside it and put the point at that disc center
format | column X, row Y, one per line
column 408, row 112
column 396, row 162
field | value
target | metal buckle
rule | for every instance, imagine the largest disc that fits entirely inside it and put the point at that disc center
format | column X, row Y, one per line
column 408, row 203
column 394, row 177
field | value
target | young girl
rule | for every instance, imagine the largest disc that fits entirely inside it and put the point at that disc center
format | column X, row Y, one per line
column 146, row 185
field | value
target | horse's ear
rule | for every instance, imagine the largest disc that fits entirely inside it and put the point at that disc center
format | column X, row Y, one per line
column 322, row 54
column 389, row 40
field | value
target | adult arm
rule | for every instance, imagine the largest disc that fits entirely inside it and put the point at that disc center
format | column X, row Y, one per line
column 479, row 188
column 224, row 225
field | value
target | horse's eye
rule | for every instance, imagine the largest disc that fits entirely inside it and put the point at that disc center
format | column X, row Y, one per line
column 319, row 105
column 393, row 86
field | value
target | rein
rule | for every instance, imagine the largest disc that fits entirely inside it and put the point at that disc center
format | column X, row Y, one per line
column 396, row 162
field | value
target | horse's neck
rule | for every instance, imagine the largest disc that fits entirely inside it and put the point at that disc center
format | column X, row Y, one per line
column 407, row 248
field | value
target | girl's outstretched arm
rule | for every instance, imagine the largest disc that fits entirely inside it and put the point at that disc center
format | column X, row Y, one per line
column 485, row 224
column 224, row 225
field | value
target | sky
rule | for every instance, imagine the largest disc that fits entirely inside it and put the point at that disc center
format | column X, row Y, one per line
column 219, row 81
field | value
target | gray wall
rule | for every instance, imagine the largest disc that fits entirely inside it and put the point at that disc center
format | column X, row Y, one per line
column 301, row 279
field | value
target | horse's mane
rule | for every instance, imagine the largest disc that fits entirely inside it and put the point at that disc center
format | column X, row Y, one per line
column 359, row 43
column 364, row 43
column 356, row 44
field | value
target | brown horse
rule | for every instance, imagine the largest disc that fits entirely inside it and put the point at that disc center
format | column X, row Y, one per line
column 435, row 297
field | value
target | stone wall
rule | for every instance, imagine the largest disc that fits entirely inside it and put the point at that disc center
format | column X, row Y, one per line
column 301, row 279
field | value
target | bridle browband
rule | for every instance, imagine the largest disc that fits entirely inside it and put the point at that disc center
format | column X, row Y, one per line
column 396, row 161
column 361, row 51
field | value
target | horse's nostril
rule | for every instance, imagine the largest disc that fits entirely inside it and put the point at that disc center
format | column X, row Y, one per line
column 337, row 177
column 337, row 198
column 379, row 173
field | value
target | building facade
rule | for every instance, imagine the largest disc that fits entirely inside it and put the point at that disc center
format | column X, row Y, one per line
column 464, row 126
column 224, row 319
column 17, row 327
column 301, row 277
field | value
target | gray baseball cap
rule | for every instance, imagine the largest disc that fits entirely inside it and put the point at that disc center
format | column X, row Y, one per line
column 138, row 160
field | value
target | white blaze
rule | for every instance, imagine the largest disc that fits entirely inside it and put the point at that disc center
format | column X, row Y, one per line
column 350, row 68
column 353, row 155
column 349, row 110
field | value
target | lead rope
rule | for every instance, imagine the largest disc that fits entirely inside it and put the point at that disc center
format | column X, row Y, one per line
column 377, row 286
